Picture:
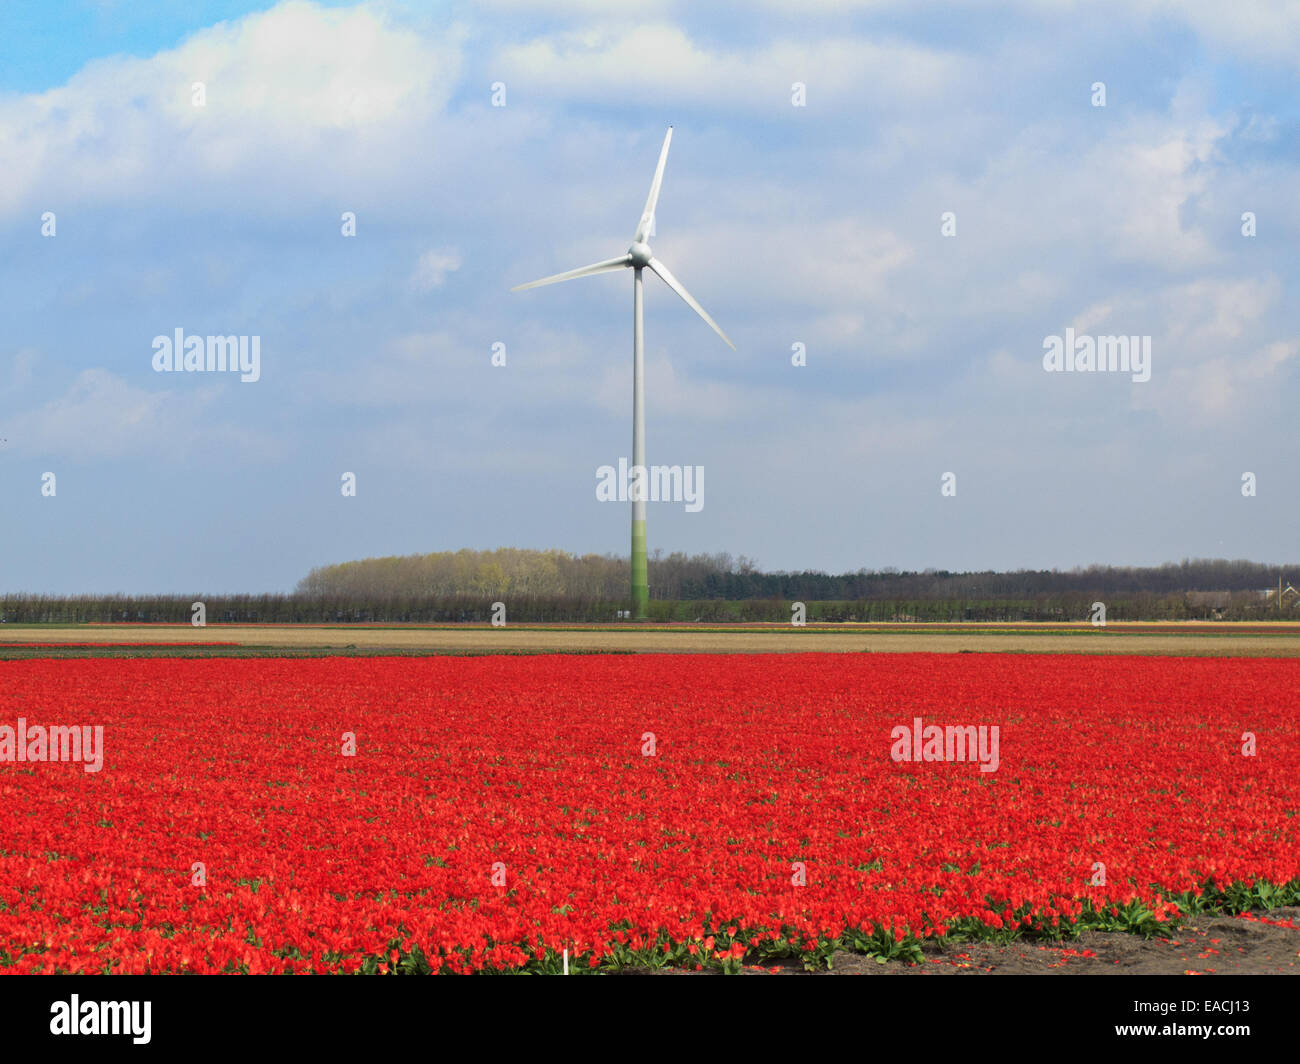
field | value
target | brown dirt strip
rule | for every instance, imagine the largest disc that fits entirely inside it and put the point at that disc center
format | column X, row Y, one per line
column 1185, row 639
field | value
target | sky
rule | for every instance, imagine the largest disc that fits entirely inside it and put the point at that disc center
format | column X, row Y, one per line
column 918, row 196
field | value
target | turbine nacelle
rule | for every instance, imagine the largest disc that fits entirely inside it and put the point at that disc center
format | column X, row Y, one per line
column 639, row 256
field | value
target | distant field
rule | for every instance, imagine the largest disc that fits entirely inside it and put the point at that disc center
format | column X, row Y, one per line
column 1279, row 639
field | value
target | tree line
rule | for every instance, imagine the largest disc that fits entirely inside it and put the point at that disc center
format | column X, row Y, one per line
column 677, row 576
column 555, row 586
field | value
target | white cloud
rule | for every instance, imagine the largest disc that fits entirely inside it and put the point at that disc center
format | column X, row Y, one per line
column 103, row 416
column 670, row 392
column 432, row 268
column 605, row 64
column 1225, row 387
column 1198, row 318
column 298, row 97
column 1154, row 178
column 1263, row 29
column 1211, row 312
column 838, row 264
column 21, row 366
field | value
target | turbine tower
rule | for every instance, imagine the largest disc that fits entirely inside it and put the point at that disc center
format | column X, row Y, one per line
column 639, row 257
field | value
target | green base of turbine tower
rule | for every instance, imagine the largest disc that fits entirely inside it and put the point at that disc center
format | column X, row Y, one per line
column 640, row 576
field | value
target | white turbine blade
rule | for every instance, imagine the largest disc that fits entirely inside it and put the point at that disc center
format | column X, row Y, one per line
column 581, row 271
column 666, row 276
column 648, row 215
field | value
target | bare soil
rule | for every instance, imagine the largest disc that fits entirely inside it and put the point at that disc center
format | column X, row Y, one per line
column 1203, row 945
column 1178, row 639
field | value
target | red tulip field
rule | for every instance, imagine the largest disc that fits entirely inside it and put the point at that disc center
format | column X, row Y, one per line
column 462, row 814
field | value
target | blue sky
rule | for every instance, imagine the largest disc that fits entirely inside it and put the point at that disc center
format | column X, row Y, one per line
column 818, row 225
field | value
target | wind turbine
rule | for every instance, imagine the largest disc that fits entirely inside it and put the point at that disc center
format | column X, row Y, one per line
column 639, row 257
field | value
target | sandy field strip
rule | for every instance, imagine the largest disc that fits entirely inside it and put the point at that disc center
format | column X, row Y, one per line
column 1219, row 639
